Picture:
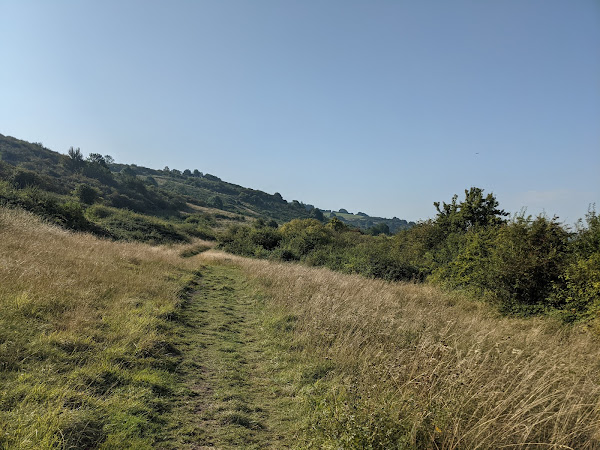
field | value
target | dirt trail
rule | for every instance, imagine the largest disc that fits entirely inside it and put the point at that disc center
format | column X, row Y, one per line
column 233, row 398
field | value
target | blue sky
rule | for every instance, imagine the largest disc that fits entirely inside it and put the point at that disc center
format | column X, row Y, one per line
column 375, row 106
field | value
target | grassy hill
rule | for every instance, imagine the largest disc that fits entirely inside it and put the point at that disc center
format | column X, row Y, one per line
column 33, row 175
column 90, row 194
column 365, row 222
column 108, row 344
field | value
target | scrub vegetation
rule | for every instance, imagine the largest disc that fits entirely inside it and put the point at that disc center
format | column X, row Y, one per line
column 524, row 265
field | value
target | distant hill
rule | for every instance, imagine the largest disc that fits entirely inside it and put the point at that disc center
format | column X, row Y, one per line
column 366, row 222
column 161, row 193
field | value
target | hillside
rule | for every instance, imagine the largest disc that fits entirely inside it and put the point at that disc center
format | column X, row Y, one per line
column 363, row 221
column 108, row 344
column 166, row 193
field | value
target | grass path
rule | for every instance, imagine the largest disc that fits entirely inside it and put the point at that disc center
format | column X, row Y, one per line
column 235, row 396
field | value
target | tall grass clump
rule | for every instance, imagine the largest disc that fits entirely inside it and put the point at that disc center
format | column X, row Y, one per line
column 411, row 366
column 85, row 359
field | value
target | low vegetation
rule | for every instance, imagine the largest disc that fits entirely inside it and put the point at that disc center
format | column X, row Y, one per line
column 112, row 345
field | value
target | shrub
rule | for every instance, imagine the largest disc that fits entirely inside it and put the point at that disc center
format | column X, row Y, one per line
column 24, row 178
column 86, row 194
column 267, row 238
column 527, row 259
column 130, row 226
column 581, row 292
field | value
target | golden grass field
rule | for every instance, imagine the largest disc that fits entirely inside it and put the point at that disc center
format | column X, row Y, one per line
column 454, row 372
column 86, row 357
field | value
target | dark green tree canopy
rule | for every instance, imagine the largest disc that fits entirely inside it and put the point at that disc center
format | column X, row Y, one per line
column 316, row 213
column 97, row 158
column 86, row 193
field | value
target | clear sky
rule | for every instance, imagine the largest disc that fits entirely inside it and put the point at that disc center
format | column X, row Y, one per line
column 375, row 106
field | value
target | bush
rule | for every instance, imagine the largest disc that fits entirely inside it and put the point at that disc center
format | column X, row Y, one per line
column 86, row 194
column 237, row 240
column 24, row 178
column 527, row 260
column 581, row 292
column 267, row 238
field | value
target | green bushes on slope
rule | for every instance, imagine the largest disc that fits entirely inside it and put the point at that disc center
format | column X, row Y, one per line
column 526, row 264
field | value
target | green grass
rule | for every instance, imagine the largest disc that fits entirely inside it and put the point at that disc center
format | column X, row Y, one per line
column 231, row 369
column 86, row 354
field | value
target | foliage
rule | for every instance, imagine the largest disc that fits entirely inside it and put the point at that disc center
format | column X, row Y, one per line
column 333, row 245
column 525, row 265
column 86, row 193
column 579, row 291
column 130, row 226
column 473, row 212
column 380, row 228
column 527, row 260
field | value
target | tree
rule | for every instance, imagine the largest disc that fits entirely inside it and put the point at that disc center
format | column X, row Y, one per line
column 75, row 158
column 197, row 173
column 24, row 178
column 210, row 177
column 96, row 167
column 96, row 158
column 316, row 213
column 336, row 224
column 527, row 258
column 128, row 172
column 474, row 211
column 216, row 202
column 380, row 228
column 187, row 173
column 75, row 154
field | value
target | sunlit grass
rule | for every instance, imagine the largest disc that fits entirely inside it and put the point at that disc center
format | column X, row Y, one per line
column 409, row 365
column 83, row 356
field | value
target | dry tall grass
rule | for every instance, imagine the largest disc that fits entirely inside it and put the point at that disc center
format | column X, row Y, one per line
column 454, row 372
